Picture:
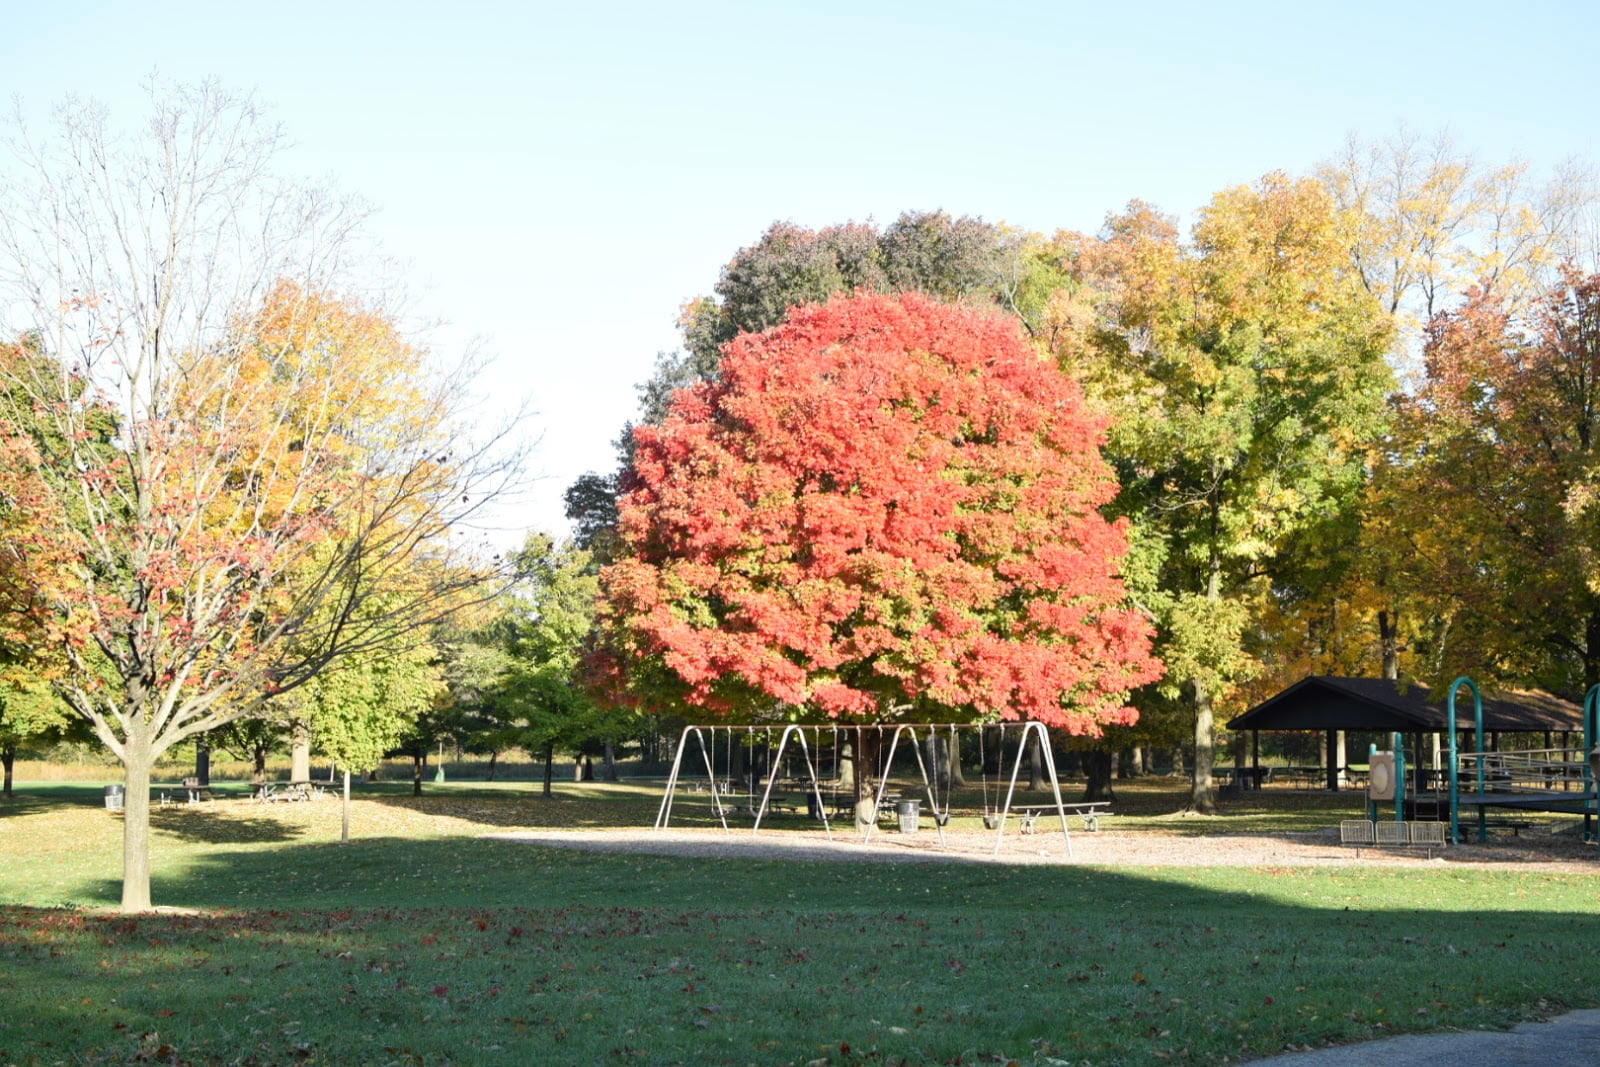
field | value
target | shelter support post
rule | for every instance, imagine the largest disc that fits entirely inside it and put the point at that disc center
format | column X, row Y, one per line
column 1372, row 805
column 1333, row 763
column 1591, row 762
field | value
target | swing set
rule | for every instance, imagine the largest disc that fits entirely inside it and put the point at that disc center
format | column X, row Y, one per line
column 762, row 761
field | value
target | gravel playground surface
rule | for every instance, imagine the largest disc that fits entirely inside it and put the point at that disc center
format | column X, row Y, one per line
column 1106, row 848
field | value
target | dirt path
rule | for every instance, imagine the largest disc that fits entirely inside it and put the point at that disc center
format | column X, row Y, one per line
column 1145, row 849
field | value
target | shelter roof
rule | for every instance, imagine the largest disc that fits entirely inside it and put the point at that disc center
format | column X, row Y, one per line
column 1328, row 703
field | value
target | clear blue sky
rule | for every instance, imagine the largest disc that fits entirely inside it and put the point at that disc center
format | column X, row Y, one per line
column 563, row 176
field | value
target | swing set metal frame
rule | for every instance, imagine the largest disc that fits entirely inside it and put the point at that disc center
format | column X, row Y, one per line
column 1030, row 729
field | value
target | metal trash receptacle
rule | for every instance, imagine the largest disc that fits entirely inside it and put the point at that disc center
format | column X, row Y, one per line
column 909, row 812
column 115, row 795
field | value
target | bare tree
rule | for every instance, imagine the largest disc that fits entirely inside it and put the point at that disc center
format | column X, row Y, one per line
column 1431, row 221
column 233, row 489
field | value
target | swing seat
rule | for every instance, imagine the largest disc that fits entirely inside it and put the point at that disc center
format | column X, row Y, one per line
column 991, row 822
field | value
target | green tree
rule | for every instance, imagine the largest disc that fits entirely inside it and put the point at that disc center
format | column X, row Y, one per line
column 545, row 634
column 363, row 705
column 1248, row 372
column 30, row 712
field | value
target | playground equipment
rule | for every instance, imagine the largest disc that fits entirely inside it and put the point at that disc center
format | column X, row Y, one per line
column 1533, row 780
column 890, row 733
column 1386, row 779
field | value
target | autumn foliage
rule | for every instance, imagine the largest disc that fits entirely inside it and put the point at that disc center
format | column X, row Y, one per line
column 882, row 500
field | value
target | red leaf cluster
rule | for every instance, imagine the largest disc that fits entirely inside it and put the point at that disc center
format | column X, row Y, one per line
column 883, row 499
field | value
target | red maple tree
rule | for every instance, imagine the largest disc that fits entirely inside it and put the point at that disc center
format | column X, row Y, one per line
column 884, row 499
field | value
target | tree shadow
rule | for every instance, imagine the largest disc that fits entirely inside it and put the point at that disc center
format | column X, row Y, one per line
column 205, row 824
column 33, row 799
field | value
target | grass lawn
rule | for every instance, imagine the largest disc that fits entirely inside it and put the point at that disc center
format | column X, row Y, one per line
column 423, row 943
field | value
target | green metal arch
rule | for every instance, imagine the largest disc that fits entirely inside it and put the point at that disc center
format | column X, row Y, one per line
column 1455, row 765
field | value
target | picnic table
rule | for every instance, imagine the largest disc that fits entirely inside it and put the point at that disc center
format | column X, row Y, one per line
column 703, row 785
column 273, row 792
column 845, row 805
column 1243, row 777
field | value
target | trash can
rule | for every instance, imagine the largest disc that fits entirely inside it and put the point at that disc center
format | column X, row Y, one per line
column 908, row 810
column 114, row 797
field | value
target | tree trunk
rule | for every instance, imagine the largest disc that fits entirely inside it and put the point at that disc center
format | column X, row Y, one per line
column 202, row 763
column 993, row 757
column 933, row 758
column 136, row 829
column 1097, row 770
column 953, row 743
column 1177, row 761
column 416, row 773
column 258, row 758
column 344, row 812
column 1202, row 798
column 866, row 787
column 1125, row 764
column 8, row 758
column 1389, row 642
column 1591, row 650
column 300, row 751
column 845, row 758
column 549, row 765
column 1035, row 764
column 611, row 762
column 1136, row 766
column 493, row 756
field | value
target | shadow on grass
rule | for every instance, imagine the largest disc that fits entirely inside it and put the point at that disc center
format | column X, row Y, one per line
column 477, row 951
column 30, row 799
column 203, row 824
column 31, row 803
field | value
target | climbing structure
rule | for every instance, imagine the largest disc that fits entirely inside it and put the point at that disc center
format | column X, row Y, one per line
column 1546, row 779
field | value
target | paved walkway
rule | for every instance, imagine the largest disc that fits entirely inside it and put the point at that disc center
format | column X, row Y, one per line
column 1573, row 1038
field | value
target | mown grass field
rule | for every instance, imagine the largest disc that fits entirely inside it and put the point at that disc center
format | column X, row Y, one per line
column 421, row 942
